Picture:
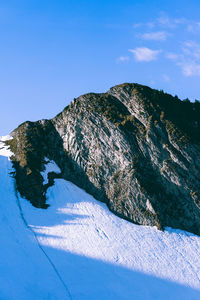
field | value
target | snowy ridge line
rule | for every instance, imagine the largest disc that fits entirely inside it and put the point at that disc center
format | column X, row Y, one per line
column 41, row 248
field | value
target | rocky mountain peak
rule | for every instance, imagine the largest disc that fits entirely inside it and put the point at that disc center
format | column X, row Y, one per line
column 134, row 148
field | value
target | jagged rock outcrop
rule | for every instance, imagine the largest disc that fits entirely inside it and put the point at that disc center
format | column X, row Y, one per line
column 135, row 148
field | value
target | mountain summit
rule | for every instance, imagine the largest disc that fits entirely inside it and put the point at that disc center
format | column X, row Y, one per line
column 134, row 148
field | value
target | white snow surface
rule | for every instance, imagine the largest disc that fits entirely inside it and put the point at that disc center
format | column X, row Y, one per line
column 50, row 166
column 4, row 150
column 78, row 249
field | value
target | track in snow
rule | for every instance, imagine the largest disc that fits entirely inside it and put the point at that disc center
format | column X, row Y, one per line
column 68, row 294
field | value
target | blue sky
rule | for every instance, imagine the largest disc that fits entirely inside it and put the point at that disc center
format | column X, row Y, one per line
column 53, row 51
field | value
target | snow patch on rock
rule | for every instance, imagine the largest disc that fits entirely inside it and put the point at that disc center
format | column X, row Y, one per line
column 149, row 206
column 4, row 149
column 50, row 166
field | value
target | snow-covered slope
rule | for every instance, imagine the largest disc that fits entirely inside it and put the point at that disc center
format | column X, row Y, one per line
column 25, row 273
column 78, row 249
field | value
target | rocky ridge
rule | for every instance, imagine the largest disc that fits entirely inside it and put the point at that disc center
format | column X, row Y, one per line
column 135, row 148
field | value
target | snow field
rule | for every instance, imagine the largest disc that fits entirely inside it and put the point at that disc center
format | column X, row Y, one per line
column 78, row 249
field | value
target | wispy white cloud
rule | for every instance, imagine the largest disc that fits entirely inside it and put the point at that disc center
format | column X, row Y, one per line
column 186, row 55
column 145, row 54
column 193, row 27
column 123, row 59
column 188, row 58
column 172, row 56
column 148, row 25
column 180, row 21
column 165, row 21
column 190, row 68
column 191, row 49
column 155, row 36
column 137, row 25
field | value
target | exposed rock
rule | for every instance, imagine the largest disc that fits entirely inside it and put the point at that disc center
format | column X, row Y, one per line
column 135, row 148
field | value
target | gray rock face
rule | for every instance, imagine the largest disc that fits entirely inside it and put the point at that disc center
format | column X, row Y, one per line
column 135, row 148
